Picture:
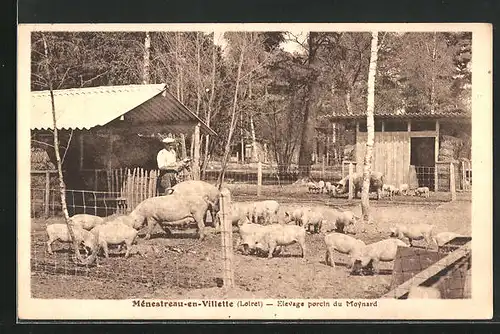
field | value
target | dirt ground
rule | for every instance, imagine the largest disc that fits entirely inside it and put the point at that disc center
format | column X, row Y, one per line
column 180, row 266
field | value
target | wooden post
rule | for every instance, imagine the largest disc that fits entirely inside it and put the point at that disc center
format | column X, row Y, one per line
column 259, row 178
column 227, row 240
column 196, row 153
column 452, row 182
column 383, row 125
column 351, row 185
column 323, row 167
column 328, row 150
column 183, row 146
column 47, row 193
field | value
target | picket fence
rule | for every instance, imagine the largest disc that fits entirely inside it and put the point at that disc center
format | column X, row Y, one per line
column 131, row 186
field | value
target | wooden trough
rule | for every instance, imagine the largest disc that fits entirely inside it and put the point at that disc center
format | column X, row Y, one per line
column 447, row 270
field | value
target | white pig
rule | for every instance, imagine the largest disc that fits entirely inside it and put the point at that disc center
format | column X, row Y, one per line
column 86, row 221
column 249, row 235
column 296, row 215
column 403, row 189
column 328, row 187
column 266, row 211
column 422, row 191
column 414, row 232
column 60, row 232
column 313, row 218
column 384, row 250
column 276, row 235
column 343, row 244
column 240, row 212
column 321, row 185
column 389, row 189
column 423, row 292
column 115, row 233
column 442, row 238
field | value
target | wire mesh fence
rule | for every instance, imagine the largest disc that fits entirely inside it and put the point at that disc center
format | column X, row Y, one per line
column 177, row 261
column 180, row 262
column 119, row 191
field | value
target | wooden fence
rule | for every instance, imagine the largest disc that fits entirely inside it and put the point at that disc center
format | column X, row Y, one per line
column 138, row 185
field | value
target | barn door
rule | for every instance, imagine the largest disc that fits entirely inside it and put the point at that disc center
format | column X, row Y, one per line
column 422, row 157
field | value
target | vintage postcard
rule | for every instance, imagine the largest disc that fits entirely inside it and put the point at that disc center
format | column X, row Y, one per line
column 255, row 171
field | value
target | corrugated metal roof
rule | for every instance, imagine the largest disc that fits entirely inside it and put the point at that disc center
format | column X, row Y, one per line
column 85, row 108
column 448, row 113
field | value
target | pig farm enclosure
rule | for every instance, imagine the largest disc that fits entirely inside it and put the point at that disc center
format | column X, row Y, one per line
column 178, row 265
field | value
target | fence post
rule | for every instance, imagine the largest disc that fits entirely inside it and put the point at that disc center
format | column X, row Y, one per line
column 47, row 193
column 462, row 177
column 435, row 177
column 452, row 182
column 323, row 167
column 227, row 240
column 259, row 178
column 351, row 185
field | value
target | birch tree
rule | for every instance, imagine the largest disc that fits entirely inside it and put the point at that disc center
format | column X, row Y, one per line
column 147, row 47
column 365, row 205
column 62, row 185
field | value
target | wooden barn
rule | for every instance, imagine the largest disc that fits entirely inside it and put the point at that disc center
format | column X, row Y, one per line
column 407, row 145
column 110, row 128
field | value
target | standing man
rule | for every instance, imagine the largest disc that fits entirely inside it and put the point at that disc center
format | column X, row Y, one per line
column 168, row 166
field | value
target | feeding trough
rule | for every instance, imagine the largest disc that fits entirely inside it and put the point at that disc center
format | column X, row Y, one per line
column 447, row 270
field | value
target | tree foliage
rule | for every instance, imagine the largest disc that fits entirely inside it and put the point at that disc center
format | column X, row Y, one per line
column 281, row 97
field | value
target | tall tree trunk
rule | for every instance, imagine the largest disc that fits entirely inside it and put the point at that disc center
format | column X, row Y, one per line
column 242, row 139
column 233, row 117
column 254, row 140
column 307, row 138
column 210, row 106
column 178, row 58
column 147, row 48
column 347, row 100
column 62, row 185
column 196, row 134
column 252, row 125
column 433, row 78
column 365, row 205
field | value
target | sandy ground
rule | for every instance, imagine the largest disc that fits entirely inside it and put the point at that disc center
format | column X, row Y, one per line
column 180, row 266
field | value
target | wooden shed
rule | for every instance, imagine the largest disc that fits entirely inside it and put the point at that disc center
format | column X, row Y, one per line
column 406, row 145
column 110, row 128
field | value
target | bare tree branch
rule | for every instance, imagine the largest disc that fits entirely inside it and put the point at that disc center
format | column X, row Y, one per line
column 67, row 146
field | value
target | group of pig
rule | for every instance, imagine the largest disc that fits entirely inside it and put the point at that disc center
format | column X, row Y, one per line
column 377, row 186
column 95, row 233
column 389, row 190
column 184, row 204
column 364, row 256
column 342, row 186
column 282, row 230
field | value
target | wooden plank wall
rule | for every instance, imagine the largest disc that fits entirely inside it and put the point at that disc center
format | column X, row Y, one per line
column 391, row 155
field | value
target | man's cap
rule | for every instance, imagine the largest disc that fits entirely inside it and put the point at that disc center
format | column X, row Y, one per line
column 168, row 140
